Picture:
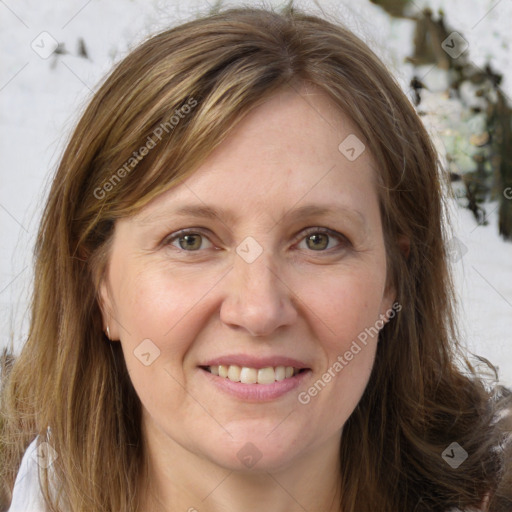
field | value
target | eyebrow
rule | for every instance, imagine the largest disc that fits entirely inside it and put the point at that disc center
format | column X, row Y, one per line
column 209, row 212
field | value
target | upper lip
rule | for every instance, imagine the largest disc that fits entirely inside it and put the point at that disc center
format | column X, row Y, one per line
column 255, row 362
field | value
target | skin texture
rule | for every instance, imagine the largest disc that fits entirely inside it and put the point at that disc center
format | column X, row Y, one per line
column 298, row 299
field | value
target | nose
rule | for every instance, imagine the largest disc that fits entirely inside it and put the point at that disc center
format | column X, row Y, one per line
column 257, row 299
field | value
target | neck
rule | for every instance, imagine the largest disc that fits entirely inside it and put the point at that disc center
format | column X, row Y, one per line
column 178, row 480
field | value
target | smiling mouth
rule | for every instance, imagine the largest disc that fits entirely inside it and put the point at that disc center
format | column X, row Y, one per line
column 246, row 375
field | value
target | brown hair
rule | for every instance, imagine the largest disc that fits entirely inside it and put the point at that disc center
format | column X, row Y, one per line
column 71, row 379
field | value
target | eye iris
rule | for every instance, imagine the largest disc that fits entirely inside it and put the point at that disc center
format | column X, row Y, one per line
column 188, row 245
column 317, row 240
column 193, row 241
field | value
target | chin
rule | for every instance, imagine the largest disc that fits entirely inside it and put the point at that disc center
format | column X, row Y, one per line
column 250, row 452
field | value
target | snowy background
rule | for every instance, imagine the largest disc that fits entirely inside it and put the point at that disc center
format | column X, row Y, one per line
column 41, row 98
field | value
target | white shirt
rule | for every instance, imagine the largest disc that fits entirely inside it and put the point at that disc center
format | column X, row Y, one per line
column 27, row 495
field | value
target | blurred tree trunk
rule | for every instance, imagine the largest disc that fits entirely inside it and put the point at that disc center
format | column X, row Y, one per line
column 428, row 37
column 503, row 144
column 393, row 7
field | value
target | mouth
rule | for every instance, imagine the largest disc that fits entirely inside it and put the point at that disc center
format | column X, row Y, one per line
column 246, row 375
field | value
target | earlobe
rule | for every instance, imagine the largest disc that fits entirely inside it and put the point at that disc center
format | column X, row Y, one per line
column 387, row 313
column 103, row 301
column 390, row 309
column 404, row 244
column 105, row 305
column 389, row 302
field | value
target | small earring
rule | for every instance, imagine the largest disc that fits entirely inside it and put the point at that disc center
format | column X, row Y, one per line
column 108, row 333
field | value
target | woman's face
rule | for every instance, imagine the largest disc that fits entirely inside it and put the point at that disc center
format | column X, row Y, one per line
column 282, row 265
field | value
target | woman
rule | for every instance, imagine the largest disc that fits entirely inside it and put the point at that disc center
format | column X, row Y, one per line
column 242, row 299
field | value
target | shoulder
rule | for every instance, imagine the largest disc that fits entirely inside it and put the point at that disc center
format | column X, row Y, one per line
column 27, row 495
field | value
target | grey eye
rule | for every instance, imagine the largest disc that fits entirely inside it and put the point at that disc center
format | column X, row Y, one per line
column 188, row 241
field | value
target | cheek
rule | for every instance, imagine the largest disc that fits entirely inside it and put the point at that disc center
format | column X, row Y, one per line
column 153, row 301
column 158, row 313
column 161, row 312
column 347, row 307
column 346, row 304
column 346, row 331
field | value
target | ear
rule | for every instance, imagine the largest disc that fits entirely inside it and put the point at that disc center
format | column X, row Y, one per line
column 107, row 308
column 389, row 304
column 389, row 308
column 404, row 243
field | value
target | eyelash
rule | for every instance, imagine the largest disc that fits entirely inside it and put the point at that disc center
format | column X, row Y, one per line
column 344, row 241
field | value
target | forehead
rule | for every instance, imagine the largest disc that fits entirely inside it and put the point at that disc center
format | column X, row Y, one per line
column 295, row 149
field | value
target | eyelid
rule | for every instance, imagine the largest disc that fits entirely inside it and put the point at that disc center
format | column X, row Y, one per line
column 183, row 232
column 343, row 239
column 303, row 233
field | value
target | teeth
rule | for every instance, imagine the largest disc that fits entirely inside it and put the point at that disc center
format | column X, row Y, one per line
column 249, row 376
column 281, row 373
column 267, row 375
column 234, row 373
column 246, row 375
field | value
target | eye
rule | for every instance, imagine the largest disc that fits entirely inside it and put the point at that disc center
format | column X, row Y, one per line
column 318, row 239
column 187, row 240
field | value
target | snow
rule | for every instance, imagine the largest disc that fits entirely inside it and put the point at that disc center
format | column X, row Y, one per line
column 41, row 100
column 483, row 277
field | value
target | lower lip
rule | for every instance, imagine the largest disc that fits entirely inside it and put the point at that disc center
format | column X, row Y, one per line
column 256, row 392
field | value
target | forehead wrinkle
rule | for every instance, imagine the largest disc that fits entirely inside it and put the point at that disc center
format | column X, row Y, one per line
column 227, row 216
column 188, row 210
